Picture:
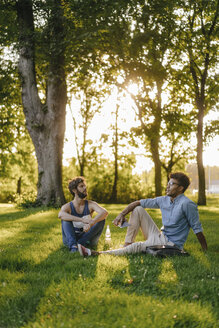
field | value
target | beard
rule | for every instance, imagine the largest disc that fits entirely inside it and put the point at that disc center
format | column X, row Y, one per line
column 82, row 195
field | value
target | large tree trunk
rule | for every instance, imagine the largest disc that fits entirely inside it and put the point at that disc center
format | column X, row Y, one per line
column 45, row 122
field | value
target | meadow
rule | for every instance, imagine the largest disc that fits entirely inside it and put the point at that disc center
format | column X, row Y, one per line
column 43, row 285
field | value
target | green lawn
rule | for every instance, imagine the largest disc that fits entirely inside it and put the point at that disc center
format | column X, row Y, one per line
column 43, row 285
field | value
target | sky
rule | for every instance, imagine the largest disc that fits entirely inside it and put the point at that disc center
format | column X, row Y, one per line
column 102, row 121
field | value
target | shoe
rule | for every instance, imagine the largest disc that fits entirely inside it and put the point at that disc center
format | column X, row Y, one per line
column 84, row 251
column 74, row 249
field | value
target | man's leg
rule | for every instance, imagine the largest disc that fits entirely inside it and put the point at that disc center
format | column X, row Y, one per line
column 139, row 218
column 139, row 247
column 134, row 248
column 68, row 235
column 91, row 237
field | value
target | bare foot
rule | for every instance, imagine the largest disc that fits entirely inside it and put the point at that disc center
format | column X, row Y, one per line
column 126, row 244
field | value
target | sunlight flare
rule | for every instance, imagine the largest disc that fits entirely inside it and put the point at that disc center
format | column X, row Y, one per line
column 133, row 89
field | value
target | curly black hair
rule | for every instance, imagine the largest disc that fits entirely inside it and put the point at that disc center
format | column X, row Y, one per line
column 74, row 183
column 182, row 178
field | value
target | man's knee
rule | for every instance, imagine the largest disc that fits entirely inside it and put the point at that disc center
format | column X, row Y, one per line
column 140, row 214
column 100, row 225
column 67, row 224
column 139, row 210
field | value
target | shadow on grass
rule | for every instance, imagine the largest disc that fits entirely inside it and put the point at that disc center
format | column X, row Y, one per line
column 42, row 287
column 177, row 281
column 27, row 272
column 58, row 266
column 175, row 275
column 26, row 233
column 20, row 214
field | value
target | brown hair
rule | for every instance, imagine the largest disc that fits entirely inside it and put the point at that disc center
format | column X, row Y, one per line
column 73, row 184
column 182, row 178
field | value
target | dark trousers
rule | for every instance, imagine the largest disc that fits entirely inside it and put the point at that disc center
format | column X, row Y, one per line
column 90, row 238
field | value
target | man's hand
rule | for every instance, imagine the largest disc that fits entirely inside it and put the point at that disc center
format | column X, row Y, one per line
column 87, row 219
column 87, row 227
column 119, row 220
column 202, row 240
column 121, row 217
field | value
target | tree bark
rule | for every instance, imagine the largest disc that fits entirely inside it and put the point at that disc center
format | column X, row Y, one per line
column 199, row 76
column 200, row 104
column 154, row 141
column 201, row 170
column 19, row 186
column 114, row 190
column 152, row 133
column 45, row 122
column 154, row 145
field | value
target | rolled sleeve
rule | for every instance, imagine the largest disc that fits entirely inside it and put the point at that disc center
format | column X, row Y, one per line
column 191, row 211
column 150, row 203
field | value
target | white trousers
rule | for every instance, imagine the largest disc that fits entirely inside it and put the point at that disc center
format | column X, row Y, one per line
column 140, row 219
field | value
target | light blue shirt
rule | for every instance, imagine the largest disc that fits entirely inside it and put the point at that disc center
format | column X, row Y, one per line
column 177, row 217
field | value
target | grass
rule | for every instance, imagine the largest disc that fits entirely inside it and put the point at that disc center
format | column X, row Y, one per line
column 43, row 285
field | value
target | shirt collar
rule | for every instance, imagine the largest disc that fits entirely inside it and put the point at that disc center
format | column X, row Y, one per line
column 177, row 199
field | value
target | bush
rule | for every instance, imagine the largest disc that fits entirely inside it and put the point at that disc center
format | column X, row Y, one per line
column 26, row 200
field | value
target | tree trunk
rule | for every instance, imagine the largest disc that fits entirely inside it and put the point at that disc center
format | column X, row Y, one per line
column 201, row 170
column 154, row 143
column 45, row 122
column 199, row 70
column 82, row 161
column 19, row 186
column 167, row 171
column 114, row 190
column 200, row 104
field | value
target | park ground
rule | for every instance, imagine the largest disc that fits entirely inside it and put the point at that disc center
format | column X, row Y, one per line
column 43, row 285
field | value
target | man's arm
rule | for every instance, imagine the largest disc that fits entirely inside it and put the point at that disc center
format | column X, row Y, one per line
column 101, row 214
column 202, row 240
column 65, row 214
column 121, row 217
column 191, row 211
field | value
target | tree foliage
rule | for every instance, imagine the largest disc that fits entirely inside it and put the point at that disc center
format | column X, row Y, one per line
column 142, row 50
column 90, row 92
column 199, row 24
column 164, row 48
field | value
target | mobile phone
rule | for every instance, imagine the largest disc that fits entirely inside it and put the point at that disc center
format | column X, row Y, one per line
column 125, row 224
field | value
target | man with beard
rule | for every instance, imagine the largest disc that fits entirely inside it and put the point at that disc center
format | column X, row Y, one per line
column 179, row 214
column 78, row 226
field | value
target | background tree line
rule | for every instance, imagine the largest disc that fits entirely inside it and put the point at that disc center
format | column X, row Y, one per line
column 86, row 48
